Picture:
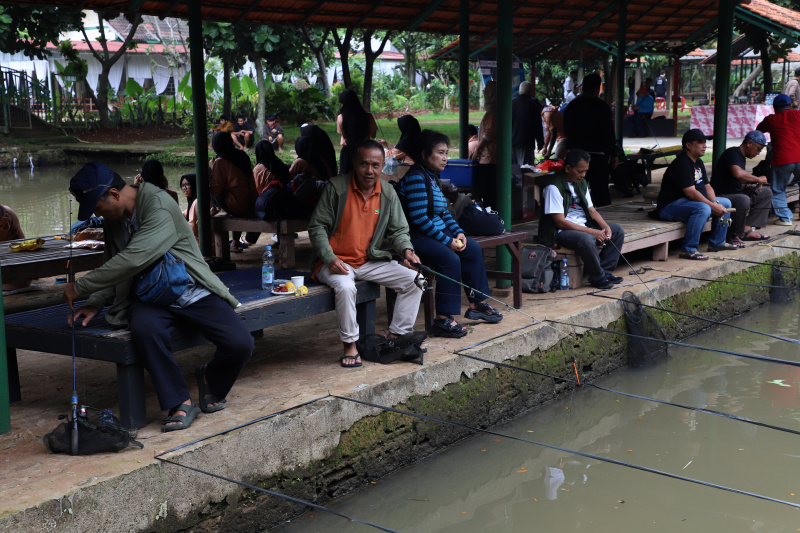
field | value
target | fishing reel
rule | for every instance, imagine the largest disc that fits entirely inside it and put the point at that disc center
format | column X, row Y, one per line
column 421, row 281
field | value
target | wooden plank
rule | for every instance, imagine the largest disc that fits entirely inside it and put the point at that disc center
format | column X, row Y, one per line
column 50, row 259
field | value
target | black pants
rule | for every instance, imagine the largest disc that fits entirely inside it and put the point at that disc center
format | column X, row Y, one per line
column 151, row 334
column 598, row 178
column 595, row 265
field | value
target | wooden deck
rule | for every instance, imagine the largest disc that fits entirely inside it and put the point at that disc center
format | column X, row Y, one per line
column 49, row 260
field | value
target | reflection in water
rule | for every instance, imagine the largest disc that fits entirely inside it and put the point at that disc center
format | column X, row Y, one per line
column 487, row 484
column 41, row 199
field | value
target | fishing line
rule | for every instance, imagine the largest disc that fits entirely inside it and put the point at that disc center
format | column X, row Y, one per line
column 754, row 262
column 683, row 344
column 785, row 247
column 574, row 452
column 74, row 398
column 630, row 395
column 778, row 337
column 763, row 285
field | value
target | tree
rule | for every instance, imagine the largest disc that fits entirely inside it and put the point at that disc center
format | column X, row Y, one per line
column 342, row 43
column 412, row 43
column 219, row 40
column 370, row 56
column 769, row 47
column 107, row 60
column 28, row 29
column 322, row 52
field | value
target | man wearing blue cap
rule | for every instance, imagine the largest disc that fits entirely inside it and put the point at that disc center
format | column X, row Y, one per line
column 784, row 130
column 141, row 224
column 687, row 196
column 746, row 191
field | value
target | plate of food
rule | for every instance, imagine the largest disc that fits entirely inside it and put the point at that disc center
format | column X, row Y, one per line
column 281, row 287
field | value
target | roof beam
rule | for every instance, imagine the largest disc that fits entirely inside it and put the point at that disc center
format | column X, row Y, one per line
column 482, row 48
column 594, row 20
column 247, row 11
column 369, row 12
column 311, row 13
column 424, row 15
column 134, row 5
column 602, row 45
column 170, row 8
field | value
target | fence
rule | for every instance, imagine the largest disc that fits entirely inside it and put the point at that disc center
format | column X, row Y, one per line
column 22, row 99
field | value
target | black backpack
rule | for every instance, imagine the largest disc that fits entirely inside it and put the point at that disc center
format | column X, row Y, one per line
column 380, row 349
column 539, row 267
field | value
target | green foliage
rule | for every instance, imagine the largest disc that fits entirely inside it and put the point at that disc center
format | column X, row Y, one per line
column 298, row 106
column 28, row 29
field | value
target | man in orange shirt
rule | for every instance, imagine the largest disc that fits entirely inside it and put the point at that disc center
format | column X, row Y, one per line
column 346, row 231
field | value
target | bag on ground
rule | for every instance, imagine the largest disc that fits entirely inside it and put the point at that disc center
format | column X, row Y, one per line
column 477, row 220
column 538, row 269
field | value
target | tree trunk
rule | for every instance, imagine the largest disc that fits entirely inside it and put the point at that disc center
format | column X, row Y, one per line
column 101, row 98
column 343, row 46
column 370, row 56
column 262, row 97
column 226, row 88
column 766, row 63
column 319, row 53
column 748, row 81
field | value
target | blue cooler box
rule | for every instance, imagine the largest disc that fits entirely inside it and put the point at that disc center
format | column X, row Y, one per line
column 459, row 172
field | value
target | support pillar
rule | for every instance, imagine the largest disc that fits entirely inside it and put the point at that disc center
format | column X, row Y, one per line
column 5, row 397
column 505, row 41
column 722, row 86
column 620, row 107
column 463, row 77
column 200, row 125
column 676, row 95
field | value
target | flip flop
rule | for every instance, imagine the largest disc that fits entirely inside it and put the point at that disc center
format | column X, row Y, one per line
column 206, row 403
column 694, row 256
column 354, row 365
column 177, row 422
column 761, row 236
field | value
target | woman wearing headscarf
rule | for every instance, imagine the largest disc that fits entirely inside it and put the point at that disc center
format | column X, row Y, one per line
column 486, row 151
column 407, row 150
column 153, row 172
column 232, row 187
column 269, row 167
column 309, row 160
column 323, row 146
column 355, row 125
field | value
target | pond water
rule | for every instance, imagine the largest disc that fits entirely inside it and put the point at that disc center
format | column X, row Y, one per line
column 492, row 484
column 41, row 199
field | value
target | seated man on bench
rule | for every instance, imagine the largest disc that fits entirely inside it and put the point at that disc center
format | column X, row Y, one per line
column 346, row 230
column 569, row 219
column 142, row 223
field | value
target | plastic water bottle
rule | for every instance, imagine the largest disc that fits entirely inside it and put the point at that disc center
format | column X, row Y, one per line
column 564, row 282
column 267, row 269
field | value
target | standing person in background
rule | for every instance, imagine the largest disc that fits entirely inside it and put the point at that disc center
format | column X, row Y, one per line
column 355, row 125
column 273, row 132
column 569, row 83
column 784, row 130
column 661, row 85
column 486, row 151
column 589, row 125
column 526, row 126
column 153, row 172
column 631, row 89
column 793, row 89
column 243, row 134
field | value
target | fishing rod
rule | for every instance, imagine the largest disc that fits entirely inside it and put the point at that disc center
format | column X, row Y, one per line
column 784, row 247
column 777, row 337
column 574, row 452
column 762, row 285
column 630, row 395
column 74, row 398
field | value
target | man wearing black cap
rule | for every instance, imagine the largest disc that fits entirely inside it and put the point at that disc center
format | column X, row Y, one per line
column 141, row 224
column 784, row 130
column 751, row 200
column 273, row 132
column 686, row 196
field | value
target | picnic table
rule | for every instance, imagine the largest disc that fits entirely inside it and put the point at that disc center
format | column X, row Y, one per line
column 49, row 260
column 649, row 158
column 45, row 330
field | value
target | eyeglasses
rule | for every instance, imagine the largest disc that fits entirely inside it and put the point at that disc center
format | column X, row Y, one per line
column 185, row 186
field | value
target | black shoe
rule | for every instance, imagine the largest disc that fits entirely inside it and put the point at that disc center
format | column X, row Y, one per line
column 614, row 279
column 447, row 327
column 484, row 311
column 602, row 283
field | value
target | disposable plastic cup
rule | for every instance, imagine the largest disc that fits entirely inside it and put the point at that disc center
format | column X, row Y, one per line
column 298, row 281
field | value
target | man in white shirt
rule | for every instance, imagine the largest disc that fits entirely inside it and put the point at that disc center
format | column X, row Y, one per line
column 569, row 83
column 569, row 219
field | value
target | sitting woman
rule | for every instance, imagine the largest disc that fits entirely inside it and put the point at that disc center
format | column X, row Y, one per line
column 323, row 145
column 269, row 167
column 231, row 182
column 188, row 184
column 11, row 230
column 309, row 160
column 153, row 172
column 440, row 242
column 405, row 150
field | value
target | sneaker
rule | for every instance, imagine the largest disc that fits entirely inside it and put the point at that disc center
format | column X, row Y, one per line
column 614, row 279
column 781, row 222
column 602, row 283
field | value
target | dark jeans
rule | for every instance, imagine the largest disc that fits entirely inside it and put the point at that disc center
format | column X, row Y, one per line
column 595, row 265
column 598, row 178
column 466, row 266
column 749, row 212
column 151, row 334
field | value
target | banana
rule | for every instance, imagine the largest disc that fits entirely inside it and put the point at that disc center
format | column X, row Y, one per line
column 27, row 245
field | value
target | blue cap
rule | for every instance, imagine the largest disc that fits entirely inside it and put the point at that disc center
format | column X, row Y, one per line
column 756, row 137
column 88, row 185
column 781, row 101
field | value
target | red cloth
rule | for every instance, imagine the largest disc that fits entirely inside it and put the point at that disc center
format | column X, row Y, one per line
column 549, row 165
column 784, row 130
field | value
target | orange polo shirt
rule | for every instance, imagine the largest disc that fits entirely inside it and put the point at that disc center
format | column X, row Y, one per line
column 354, row 233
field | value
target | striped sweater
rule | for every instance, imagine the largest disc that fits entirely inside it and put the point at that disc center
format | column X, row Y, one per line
column 414, row 196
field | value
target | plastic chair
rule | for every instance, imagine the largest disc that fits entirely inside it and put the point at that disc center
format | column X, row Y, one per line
column 684, row 107
column 660, row 103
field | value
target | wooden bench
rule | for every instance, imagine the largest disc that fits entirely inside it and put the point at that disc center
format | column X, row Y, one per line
column 51, row 259
column 512, row 240
column 45, row 330
column 286, row 229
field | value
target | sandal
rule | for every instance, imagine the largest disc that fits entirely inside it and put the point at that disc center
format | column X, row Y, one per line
column 694, row 256
column 177, row 422
column 447, row 327
column 737, row 242
column 484, row 311
column 206, row 402
column 748, row 237
column 234, row 247
column 353, row 357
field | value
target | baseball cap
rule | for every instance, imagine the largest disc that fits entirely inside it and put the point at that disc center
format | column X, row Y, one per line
column 693, row 135
column 88, row 185
column 272, row 116
column 781, row 101
column 756, row 137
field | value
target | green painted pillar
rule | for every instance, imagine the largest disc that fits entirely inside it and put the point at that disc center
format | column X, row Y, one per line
column 505, row 41
column 722, row 86
column 200, row 125
column 463, row 76
column 5, row 399
column 620, row 108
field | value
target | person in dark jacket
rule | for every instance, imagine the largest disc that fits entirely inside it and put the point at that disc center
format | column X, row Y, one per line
column 527, row 134
column 589, row 125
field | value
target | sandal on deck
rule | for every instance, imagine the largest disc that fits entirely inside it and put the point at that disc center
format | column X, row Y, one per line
column 353, row 357
column 177, row 422
column 484, row 311
column 748, row 237
column 694, row 256
column 447, row 327
column 206, row 403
